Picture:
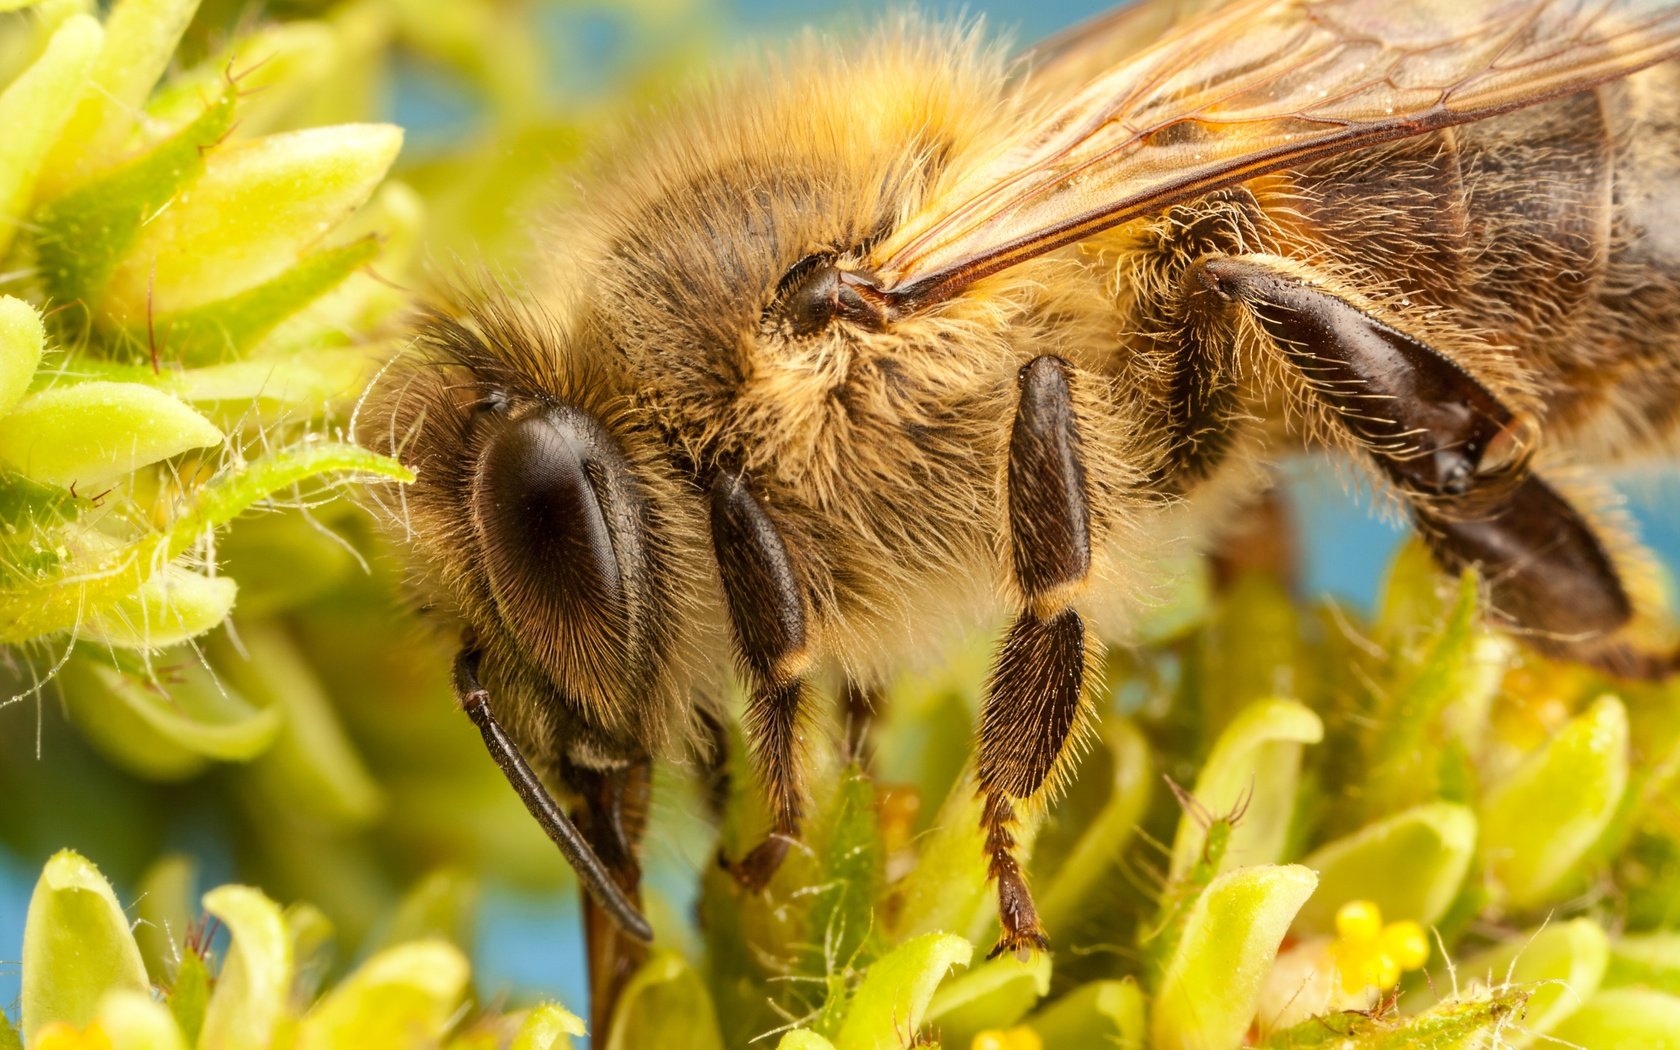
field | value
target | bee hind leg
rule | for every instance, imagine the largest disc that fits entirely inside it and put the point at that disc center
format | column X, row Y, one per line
column 1550, row 576
column 1034, row 697
column 1456, row 452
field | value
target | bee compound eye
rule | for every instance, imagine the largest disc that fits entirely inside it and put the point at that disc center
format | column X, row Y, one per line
column 543, row 497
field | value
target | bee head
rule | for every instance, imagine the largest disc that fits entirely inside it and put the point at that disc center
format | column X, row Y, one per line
column 538, row 517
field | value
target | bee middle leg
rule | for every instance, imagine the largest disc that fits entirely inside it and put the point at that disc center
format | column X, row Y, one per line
column 1035, row 693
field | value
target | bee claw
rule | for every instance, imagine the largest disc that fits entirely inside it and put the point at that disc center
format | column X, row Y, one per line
column 1022, row 943
column 757, row 868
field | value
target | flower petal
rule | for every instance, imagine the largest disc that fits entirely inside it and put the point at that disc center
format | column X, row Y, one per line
column 93, row 434
column 34, row 109
column 995, row 994
column 1210, row 987
column 1624, row 1017
column 549, row 1026
column 1254, row 765
column 171, row 607
column 1410, row 865
column 1102, row 1013
column 413, row 989
column 251, row 216
column 893, row 998
column 140, row 39
column 665, row 1004
column 1559, row 965
column 21, row 336
column 136, row 1021
column 249, row 1002
column 76, row 946
column 1539, row 823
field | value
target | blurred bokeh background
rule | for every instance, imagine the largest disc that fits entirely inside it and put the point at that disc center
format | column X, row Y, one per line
column 384, row 786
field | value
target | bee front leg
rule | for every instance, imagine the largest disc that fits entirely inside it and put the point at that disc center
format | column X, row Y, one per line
column 767, row 615
column 1034, row 698
column 612, row 817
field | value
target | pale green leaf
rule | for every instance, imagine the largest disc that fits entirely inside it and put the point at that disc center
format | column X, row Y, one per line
column 893, row 998
column 1210, row 987
column 1539, row 823
column 76, row 946
column 800, row 1039
column 1254, row 767
column 93, row 434
column 1411, row 864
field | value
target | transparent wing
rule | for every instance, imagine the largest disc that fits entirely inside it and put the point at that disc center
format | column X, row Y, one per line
column 1246, row 88
column 1061, row 65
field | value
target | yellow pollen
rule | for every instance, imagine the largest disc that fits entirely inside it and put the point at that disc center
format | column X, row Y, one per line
column 1018, row 1038
column 61, row 1036
column 1369, row 954
column 1358, row 921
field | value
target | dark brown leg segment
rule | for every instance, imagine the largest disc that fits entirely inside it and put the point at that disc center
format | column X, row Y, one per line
column 1034, row 694
column 767, row 614
column 1457, row 453
column 612, row 817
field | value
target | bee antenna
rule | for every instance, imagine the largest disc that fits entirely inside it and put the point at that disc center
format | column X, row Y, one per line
column 597, row 882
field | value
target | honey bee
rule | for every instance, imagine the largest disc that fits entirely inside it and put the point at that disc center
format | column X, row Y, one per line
column 855, row 350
